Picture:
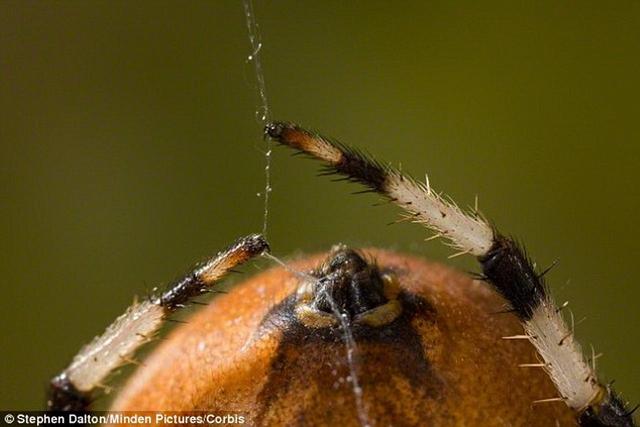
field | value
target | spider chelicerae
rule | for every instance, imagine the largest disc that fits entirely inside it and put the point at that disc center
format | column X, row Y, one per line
column 351, row 293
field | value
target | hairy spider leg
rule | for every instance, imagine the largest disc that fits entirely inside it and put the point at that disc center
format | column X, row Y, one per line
column 72, row 389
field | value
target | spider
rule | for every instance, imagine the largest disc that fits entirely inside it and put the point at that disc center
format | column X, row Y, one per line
column 359, row 337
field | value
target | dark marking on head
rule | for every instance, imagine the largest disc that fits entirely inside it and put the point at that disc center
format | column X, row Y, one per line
column 354, row 285
column 313, row 362
column 509, row 270
column 65, row 397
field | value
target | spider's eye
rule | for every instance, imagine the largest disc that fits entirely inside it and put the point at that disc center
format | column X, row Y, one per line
column 347, row 285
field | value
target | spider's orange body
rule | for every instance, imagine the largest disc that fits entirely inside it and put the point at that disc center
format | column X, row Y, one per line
column 441, row 362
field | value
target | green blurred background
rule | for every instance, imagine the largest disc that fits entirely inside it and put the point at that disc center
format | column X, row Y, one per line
column 129, row 148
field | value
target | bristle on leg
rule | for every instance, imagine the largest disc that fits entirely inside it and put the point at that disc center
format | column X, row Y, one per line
column 468, row 233
column 71, row 390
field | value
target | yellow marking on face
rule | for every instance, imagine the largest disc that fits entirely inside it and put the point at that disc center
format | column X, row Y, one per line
column 305, row 292
column 314, row 318
column 381, row 315
column 391, row 286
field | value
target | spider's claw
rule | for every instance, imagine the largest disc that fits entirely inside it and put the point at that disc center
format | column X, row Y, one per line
column 274, row 129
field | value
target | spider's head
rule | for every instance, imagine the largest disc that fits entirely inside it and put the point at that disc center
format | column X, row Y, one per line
column 348, row 285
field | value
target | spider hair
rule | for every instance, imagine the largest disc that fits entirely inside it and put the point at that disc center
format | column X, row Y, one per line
column 72, row 389
column 504, row 263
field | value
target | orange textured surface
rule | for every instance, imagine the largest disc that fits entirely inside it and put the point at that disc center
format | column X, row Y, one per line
column 228, row 359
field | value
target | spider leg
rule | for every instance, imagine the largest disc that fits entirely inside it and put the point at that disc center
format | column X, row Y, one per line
column 504, row 263
column 71, row 390
column 466, row 232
